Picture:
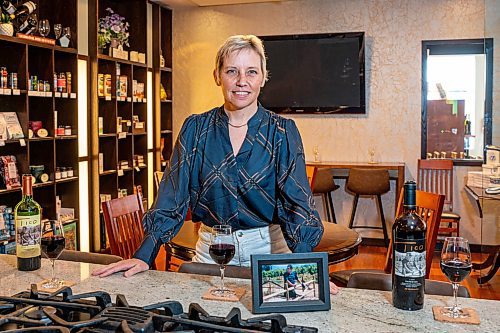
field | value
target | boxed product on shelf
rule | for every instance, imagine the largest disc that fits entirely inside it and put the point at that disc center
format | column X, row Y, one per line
column 3, row 128
column 139, row 160
column 123, row 164
column 65, row 214
column 8, row 172
column 101, row 162
column 122, row 192
column 70, row 234
column 14, row 129
column 104, row 197
column 100, row 85
column 107, row 85
column 101, row 124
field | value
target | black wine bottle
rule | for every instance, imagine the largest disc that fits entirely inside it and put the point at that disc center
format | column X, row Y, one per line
column 28, row 229
column 408, row 254
column 23, row 10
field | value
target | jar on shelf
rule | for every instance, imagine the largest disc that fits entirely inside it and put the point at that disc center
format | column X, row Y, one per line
column 57, row 175
column 67, row 130
column 64, row 173
column 69, row 170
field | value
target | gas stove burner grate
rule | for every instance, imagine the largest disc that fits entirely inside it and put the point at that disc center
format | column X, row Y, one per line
column 63, row 312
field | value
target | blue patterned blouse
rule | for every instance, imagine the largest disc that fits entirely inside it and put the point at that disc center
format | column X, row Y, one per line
column 265, row 183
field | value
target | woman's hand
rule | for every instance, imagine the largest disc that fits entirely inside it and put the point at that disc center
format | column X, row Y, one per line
column 130, row 266
column 334, row 290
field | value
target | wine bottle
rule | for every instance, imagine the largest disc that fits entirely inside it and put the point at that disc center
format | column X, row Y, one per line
column 28, row 229
column 408, row 254
column 24, row 10
column 8, row 7
column 29, row 25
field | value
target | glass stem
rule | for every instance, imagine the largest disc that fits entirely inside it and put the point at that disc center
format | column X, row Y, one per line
column 222, row 268
column 53, row 262
column 455, row 301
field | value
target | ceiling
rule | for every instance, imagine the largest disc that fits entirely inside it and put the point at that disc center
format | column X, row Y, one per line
column 202, row 3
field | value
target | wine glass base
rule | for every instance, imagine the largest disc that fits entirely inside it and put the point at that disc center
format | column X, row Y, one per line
column 51, row 284
column 222, row 293
column 453, row 312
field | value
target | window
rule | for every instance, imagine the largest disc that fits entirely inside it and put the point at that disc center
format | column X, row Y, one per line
column 456, row 99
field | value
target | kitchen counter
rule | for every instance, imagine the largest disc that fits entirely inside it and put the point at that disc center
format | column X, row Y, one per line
column 353, row 310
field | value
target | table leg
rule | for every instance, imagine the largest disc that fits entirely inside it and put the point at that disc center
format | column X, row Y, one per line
column 399, row 185
column 493, row 269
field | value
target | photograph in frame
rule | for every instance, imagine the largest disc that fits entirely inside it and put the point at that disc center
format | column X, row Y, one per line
column 295, row 282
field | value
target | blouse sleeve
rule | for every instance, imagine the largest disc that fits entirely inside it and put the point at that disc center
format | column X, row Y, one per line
column 300, row 221
column 165, row 218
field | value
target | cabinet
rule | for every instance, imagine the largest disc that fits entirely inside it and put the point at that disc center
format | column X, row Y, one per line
column 118, row 121
column 29, row 58
column 162, row 67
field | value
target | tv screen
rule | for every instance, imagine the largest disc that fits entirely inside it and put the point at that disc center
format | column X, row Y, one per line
column 315, row 73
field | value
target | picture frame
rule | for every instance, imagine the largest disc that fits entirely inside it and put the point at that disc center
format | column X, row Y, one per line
column 306, row 281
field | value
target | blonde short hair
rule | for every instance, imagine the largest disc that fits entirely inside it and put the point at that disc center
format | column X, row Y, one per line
column 241, row 42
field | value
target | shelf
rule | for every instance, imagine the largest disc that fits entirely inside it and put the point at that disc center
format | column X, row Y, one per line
column 139, row 134
column 47, row 138
column 39, row 185
column 10, row 92
column 2, row 191
column 107, row 172
column 67, row 179
column 13, row 141
column 67, row 137
column 165, row 69
column 166, row 132
column 122, row 61
column 107, row 135
column 38, row 44
column 166, row 101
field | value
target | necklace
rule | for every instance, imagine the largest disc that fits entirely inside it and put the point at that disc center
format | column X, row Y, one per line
column 237, row 126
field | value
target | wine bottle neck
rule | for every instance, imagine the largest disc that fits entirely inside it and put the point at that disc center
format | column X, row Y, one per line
column 409, row 208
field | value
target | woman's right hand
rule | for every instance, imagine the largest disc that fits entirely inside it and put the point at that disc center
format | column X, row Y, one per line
column 130, row 266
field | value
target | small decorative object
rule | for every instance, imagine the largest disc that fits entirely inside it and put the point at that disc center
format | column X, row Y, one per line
column 113, row 30
column 162, row 61
column 6, row 27
column 44, row 27
column 58, row 30
column 66, row 37
column 295, row 282
column 163, row 94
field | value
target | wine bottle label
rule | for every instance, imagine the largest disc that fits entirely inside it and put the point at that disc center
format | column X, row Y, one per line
column 28, row 236
column 409, row 258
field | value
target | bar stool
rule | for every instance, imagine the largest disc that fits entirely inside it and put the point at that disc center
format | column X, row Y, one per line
column 325, row 185
column 372, row 182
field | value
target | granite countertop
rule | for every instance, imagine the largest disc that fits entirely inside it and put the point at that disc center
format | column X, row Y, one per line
column 353, row 310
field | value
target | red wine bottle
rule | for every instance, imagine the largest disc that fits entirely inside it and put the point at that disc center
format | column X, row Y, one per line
column 408, row 254
column 24, row 10
column 28, row 229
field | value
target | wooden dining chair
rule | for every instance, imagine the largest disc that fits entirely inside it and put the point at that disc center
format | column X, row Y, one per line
column 436, row 176
column 429, row 207
column 123, row 220
column 311, row 175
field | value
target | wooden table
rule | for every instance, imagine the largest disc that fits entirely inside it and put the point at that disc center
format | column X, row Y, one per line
column 399, row 167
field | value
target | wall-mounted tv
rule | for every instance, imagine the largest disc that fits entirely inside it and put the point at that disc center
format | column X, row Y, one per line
column 315, row 73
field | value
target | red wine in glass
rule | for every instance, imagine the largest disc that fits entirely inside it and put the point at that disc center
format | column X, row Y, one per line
column 222, row 253
column 52, row 246
column 456, row 270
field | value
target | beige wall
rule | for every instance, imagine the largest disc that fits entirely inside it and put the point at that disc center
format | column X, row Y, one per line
column 394, row 31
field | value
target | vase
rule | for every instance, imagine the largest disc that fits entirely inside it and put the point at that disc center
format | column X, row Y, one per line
column 6, row 29
column 114, row 43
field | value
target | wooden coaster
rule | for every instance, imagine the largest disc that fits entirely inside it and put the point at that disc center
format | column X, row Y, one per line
column 472, row 316
column 64, row 283
column 238, row 294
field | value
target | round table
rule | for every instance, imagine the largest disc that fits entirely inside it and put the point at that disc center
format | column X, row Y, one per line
column 340, row 242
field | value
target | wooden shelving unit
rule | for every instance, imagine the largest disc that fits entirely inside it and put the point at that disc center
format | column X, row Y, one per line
column 163, row 107
column 26, row 57
column 117, row 146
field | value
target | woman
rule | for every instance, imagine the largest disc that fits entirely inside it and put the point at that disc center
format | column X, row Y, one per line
column 238, row 164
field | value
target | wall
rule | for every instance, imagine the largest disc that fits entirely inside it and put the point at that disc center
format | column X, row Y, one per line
column 394, row 31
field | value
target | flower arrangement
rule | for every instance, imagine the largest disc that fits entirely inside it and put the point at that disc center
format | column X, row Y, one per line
column 112, row 27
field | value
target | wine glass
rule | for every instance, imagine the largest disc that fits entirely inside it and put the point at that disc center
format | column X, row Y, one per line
column 222, row 251
column 57, row 30
column 371, row 153
column 456, row 265
column 53, row 243
column 316, row 153
column 44, row 27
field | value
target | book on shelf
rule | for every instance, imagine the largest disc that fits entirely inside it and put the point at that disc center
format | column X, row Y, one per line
column 12, row 125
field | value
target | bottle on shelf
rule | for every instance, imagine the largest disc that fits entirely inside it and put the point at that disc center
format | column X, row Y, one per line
column 28, row 228
column 23, row 10
column 467, row 125
column 408, row 254
column 8, row 7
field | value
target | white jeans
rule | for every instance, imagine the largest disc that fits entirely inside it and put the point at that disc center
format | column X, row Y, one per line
column 263, row 240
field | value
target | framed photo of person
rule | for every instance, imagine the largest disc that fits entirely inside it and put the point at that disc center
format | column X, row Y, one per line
column 291, row 282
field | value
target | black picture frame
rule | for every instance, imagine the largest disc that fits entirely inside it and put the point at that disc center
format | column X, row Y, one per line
column 321, row 292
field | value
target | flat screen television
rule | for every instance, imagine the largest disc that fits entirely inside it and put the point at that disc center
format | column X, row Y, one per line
column 319, row 73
